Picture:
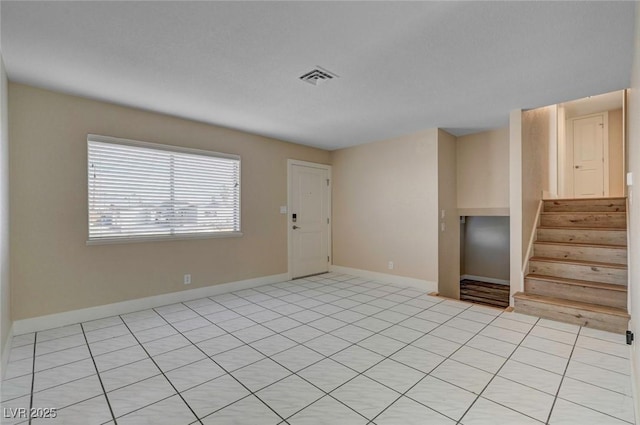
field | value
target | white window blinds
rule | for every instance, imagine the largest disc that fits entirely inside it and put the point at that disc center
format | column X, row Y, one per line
column 141, row 190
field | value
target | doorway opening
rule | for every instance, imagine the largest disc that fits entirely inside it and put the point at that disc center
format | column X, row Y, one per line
column 308, row 218
column 590, row 147
column 484, row 260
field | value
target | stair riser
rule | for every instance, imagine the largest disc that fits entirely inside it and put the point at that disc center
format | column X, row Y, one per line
column 604, row 255
column 585, row 205
column 618, row 221
column 580, row 272
column 606, row 237
column 577, row 316
column 576, row 293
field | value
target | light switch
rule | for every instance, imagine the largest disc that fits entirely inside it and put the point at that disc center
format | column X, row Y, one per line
column 283, row 209
column 629, row 179
column 441, row 213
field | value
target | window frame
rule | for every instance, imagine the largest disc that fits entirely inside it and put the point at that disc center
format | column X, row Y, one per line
column 155, row 238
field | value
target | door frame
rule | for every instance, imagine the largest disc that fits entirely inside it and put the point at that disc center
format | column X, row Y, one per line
column 568, row 157
column 328, row 168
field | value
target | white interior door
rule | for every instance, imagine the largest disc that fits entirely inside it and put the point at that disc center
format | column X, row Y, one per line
column 588, row 157
column 308, row 218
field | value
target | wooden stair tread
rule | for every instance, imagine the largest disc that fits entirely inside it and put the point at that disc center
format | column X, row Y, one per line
column 617, row 198
column 579, row 262
column 581, row 244
column 599, row 285
column 605, row 229
column 573, row 304
column 583, row 212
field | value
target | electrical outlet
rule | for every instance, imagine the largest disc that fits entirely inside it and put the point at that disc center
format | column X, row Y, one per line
column 390, row 265
column 187, row 279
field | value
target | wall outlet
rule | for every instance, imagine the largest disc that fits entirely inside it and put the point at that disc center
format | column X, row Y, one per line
column 390, row 265
column 187, row 279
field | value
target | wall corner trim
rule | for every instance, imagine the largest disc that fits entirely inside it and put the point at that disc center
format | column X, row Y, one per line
column 4, row 360
column 425, row 285
column 98, row 312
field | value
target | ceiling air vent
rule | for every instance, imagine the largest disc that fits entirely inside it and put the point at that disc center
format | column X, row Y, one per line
column 318, row 75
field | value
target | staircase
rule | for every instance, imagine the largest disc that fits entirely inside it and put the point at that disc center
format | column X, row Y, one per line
column 578, row 271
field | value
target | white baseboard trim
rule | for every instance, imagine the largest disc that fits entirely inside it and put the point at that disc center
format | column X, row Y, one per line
column 485, row 279
column 424, row 285
column 5, row 353
column 92, row 313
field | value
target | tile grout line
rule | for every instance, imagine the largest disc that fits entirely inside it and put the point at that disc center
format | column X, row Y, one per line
column 99, row 377
column 564, row 373
column 496, row 374
column 325, row 315
column 449, row 357
column 228, row 373
column 298, row 343
column 163, row 374
column 588, row 383
column 33, row 375
column 405, row 345
column 324, row 333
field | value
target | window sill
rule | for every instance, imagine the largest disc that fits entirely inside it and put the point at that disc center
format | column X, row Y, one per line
column 137, row 239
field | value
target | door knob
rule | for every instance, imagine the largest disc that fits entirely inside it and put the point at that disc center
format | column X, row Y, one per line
column 577, row 166
column 295, row 227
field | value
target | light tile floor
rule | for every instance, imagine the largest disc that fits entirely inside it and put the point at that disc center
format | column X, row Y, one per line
column 330, row 349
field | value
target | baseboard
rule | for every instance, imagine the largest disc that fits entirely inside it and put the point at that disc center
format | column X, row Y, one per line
column 5, row 353
column 421, row 284
column 485, row 279
column 92, row 313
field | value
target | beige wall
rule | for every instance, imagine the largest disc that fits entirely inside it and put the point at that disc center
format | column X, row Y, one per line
column 634, row 208
column 449, row 238
column 486, row 247
column 384, row 206
column 483, row 170
column 535, row 168
column 616, row 154
column 53, row 270
column 5, row 293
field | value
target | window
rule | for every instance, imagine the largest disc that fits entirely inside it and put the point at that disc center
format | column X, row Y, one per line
column 143, row 191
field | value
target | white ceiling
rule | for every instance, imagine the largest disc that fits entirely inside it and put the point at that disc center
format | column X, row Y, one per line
column 403, row 66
